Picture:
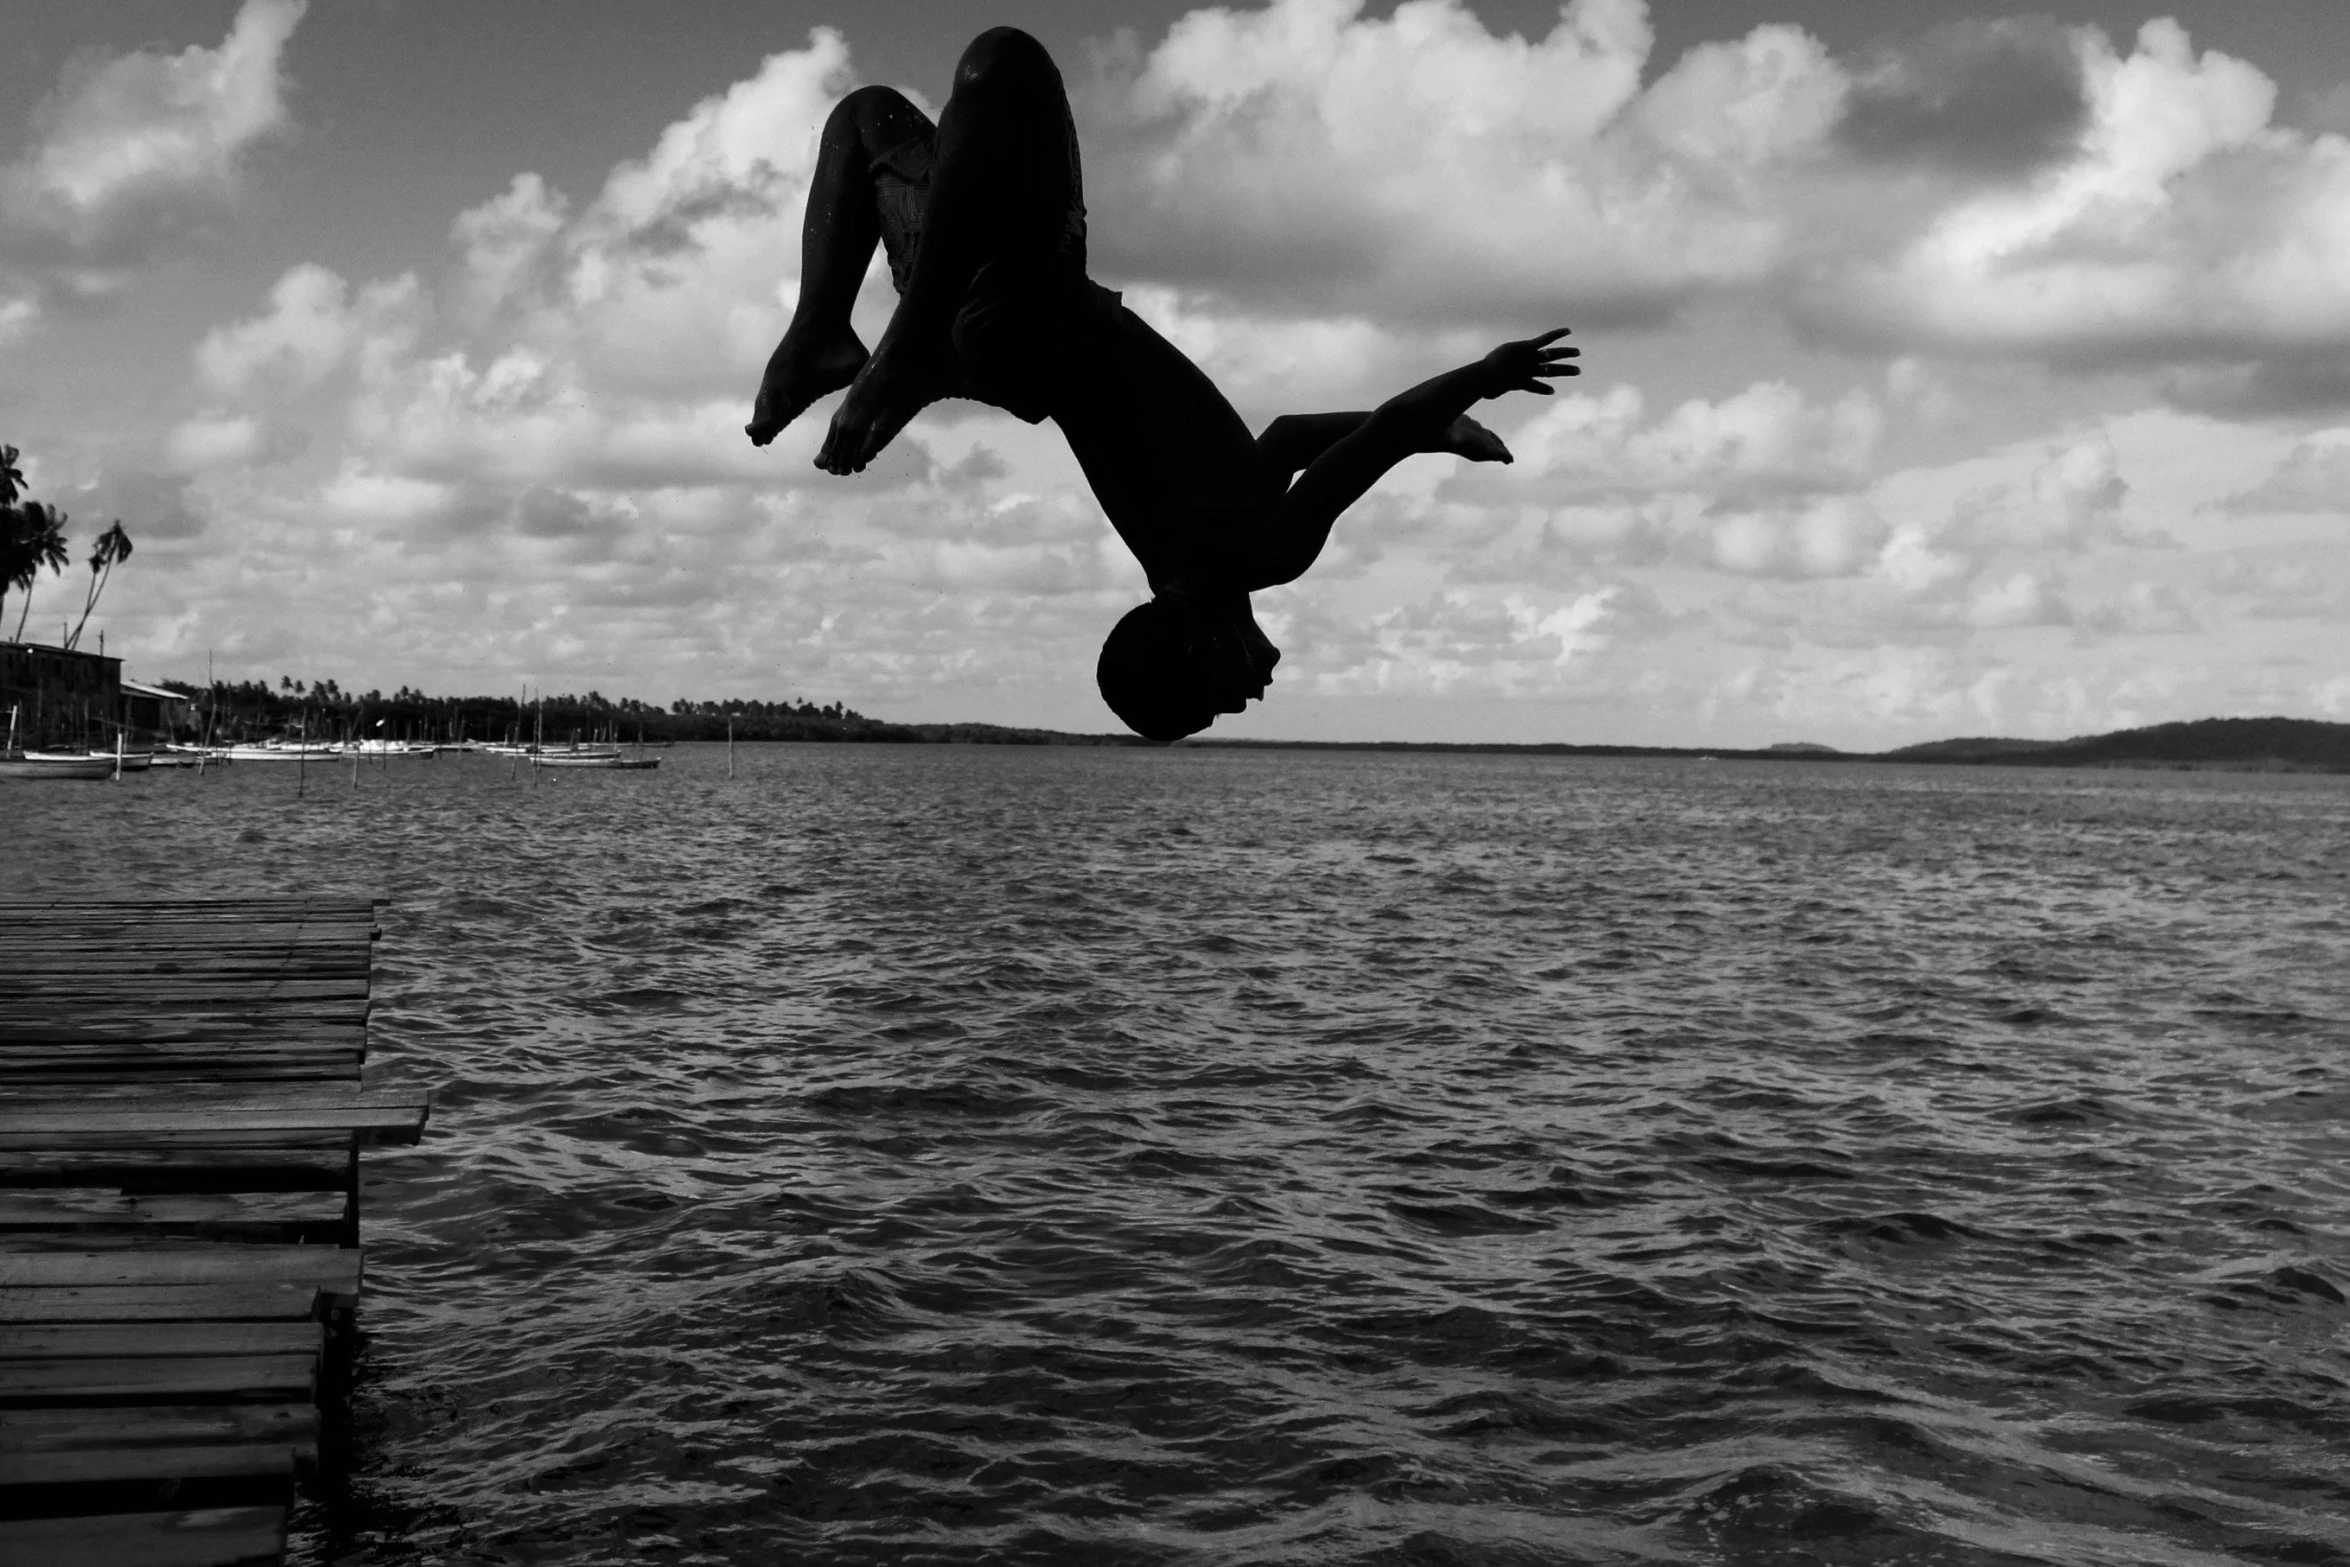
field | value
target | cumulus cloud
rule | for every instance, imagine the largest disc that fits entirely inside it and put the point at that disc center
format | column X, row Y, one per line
column 2002, row 189
column 1762, row 482
column 305, row 337
column 1765, row 441
column 2072, row 502
column 2314, row 477
column 1990, row 96
column 1834, row 536
column 2184, row 226
column 2143, row 609
column 1309, row 159
column 133, row 155
column 1464, row 642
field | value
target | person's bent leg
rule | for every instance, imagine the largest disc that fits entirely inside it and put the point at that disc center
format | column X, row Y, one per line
column 820, row 352
column 1005, row 194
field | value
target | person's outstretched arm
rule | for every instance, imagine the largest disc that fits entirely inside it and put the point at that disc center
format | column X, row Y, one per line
column 1352, row 461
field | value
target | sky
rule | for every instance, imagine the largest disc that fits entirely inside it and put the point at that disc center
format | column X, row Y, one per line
column 1944, row 374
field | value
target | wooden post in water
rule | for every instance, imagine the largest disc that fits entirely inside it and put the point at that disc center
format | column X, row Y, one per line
column 730, row 745
column 118, row 753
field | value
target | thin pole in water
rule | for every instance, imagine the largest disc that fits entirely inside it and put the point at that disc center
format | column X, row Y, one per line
column 730, row 745
column 118, row 753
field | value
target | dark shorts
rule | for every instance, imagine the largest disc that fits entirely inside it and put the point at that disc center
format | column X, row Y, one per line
column 1016, row 331
column 901, row 188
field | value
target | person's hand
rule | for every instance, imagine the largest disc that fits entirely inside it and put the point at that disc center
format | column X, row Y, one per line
column 1465, row 437
column 1529, row 366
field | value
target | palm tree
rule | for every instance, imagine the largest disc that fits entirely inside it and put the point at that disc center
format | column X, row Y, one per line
column 32, row 535
column 11, row 476
column 113, row 545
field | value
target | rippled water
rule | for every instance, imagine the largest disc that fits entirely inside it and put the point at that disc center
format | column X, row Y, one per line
column 907, row 1155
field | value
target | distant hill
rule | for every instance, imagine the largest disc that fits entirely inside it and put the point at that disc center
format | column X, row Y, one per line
column 2274, row 744
column 2283, row 743
column 1972, row 749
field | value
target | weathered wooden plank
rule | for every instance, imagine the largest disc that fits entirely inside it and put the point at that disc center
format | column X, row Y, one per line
column 159, row 1340
column 28, row 955
column 189, row 937
column 247, row 924
column 233, row 1302
column 261, row 1046
column 283, row 934
column 53, row 1019
column 289, row 1164
column 17, row 1079
column 226, row 1378
column 102, row 1059
column 45, row 905
column 160, row 1425
column 284, row 1217
column 129, row 990
column 206, row 1537
column 352, row 939
column 130, row 949
column 335, row 1271
column 94, row 1481
column 252, row 952
column 35, row 906
column 162, row 1035
column 399, row 1121
column 132, row 960
column 135, row 1095
column 117, row 978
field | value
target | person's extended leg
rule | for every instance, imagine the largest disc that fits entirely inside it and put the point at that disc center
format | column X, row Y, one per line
column 1005, row 199
column 820, row 353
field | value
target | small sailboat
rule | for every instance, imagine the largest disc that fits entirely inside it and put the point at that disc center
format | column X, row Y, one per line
column 50, row 764
column 605, row 757
column 55, row 764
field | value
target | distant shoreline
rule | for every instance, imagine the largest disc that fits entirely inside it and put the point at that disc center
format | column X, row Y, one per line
column 2296, row 745
column 2054, row 757
column 253, row 709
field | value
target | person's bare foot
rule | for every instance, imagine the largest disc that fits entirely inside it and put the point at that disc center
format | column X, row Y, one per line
column 1467, row 438
column 897, row 383
column 798, row 375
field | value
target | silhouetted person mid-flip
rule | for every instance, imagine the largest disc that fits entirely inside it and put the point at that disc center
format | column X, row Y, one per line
column 983, row 219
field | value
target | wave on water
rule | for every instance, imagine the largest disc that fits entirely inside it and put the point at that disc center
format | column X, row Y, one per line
column 948, row 1154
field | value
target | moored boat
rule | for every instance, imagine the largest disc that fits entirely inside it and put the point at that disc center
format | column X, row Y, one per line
column 16, row 763
column 55, row 764
column 608, row 761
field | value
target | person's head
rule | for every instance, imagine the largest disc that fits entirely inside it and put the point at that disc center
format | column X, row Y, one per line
column 1170, row 666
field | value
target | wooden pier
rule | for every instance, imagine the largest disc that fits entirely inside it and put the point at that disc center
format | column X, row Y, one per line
column 181, row 1114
